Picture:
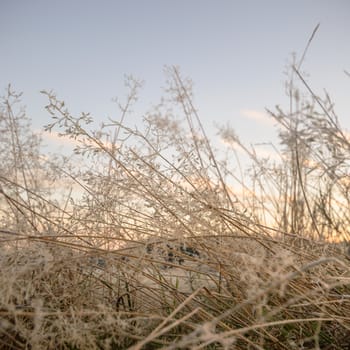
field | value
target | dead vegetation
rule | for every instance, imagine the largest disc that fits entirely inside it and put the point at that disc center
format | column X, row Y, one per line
column 149, row 244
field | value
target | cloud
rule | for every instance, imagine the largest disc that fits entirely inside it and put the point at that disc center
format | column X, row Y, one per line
column 54, row 137
column 346, row 134
column 259, row 116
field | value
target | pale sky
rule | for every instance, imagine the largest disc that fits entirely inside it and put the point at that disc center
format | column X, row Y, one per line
column 234, row 51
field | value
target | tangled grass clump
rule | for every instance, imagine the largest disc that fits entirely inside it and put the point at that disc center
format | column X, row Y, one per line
column 149, row 243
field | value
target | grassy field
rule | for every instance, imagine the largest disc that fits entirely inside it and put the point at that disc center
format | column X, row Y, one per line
column 152, row 238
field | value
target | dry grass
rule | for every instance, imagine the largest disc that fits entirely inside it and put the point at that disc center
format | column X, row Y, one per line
column 151, row 247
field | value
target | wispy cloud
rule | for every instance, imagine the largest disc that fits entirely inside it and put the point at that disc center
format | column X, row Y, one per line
column 259, row 116
column 267, row 152
column 55, row 137
column 63, row 140
column 346, row 133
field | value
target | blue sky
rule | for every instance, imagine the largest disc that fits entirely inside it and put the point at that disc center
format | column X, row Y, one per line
column 235, row 52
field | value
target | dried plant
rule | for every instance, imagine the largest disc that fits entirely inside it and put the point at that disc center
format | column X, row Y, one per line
column 158, row 243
